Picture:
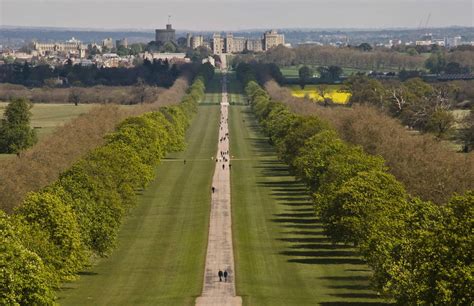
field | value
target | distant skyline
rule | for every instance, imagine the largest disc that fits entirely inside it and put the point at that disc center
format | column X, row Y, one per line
column 206, row 15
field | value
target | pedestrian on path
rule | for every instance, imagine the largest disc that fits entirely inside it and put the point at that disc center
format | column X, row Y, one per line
column 220, row 275
column 213, row 189
column 223, row 167
column 225, row 275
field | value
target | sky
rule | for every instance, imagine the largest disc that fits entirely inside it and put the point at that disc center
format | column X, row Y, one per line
column 201, row 15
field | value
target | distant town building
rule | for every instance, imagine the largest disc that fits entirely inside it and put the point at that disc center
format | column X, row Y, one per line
column 255, row 45
column 428, row 40
column 163, row 36
column 453, row 41
column 197, row 41
column 72, row 46
column 108, row 43
column 172, row 58
column 240, row 44
column 122, row 43
column 229, row 43
column 94, row 47
column 217, row 43
column 188, row 40
column 272, row 39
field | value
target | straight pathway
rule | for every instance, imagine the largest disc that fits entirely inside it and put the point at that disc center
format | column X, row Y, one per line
column 162, row 244
column 220, row 253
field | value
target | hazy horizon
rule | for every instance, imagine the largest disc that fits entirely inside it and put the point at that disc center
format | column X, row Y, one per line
column 237, row 15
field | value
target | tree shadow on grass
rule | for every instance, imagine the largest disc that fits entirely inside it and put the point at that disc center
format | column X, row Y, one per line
column 318, row 246
column 327, row 261
column 296, row 221
column 317, row 252
column 351, row 287
column 349, row 278
column 88, row 273
column 357, row 295
column 355, row 303
column 303, row 233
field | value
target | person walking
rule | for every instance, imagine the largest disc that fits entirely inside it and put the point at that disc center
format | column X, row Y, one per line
column 220, row 275
column 225, row 275
column 213, row 189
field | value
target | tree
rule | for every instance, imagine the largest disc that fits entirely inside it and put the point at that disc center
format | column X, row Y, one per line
column 467, row 132
column 52, row 232
column 454, row 68
column 330, row 74
column 140, row 91
column 198, row 54
column 123, row 51
column 15, row 131
column 135, row 49
column 74, row 96
column 432, row 264
column 365, row 47
column 23, row 278
column 440, row 123
column 305, row 74
column 365, row 90
column 169, row 47
column 436, row 63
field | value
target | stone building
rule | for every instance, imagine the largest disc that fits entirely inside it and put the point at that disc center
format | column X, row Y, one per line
column 108, row 43
column 272, row 39
column 239, row 45
column 163, row 36
column 217, row 44
column 121, row 43
column 71, row 48
column 197, row 41
column 254, row 45
column 189, row 38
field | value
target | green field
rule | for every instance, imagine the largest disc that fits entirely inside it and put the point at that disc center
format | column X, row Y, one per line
column 292, row 71
column 235, row 90
column 46, row 117
column 282, row 256
column 213, row 90
column 162, row 244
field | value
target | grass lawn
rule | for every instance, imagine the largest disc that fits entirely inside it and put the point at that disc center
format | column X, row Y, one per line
column 282, row 256
column 235, row 89
column 213, row 90
column 292, row 71
column 46, row 117
column 162, row 244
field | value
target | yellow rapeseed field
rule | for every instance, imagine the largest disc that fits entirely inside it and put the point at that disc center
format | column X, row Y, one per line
column 334, row 93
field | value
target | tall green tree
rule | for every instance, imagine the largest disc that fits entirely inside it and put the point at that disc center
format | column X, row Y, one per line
column 15, row 131
column 305, row 74
column 467, row 132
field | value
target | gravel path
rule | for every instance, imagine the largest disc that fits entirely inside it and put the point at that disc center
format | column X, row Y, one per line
column 220, row 252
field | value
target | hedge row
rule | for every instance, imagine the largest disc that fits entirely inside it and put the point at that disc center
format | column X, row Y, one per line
column 55, row 231
column 420, row 252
